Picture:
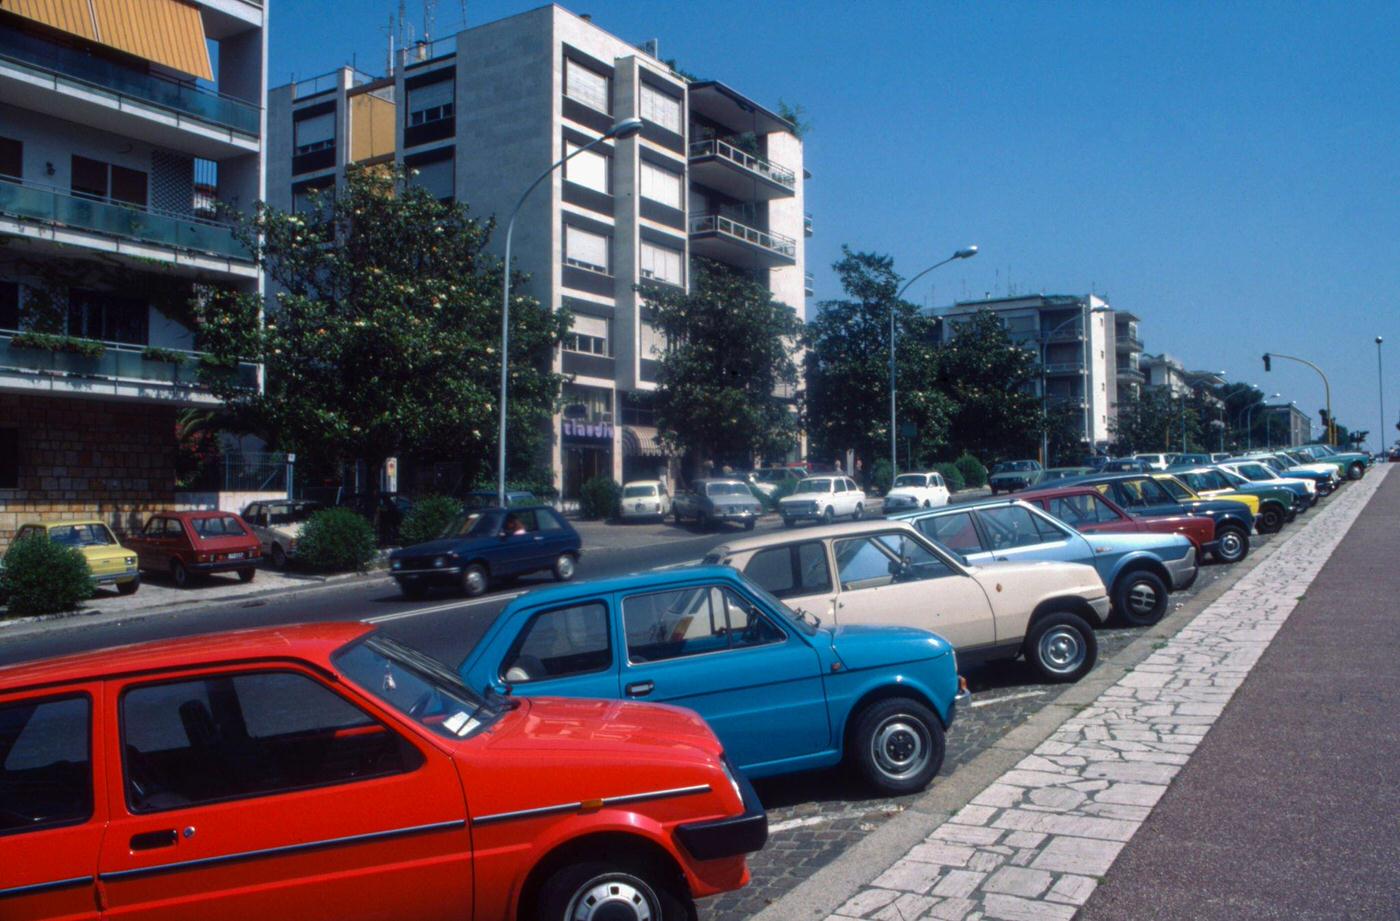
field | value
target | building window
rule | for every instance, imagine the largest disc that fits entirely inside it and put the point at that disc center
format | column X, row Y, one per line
column 586, row 250
column 9, row 458
column 437, row 177
column 101, row 315
column 661, row 109
column 9, row 305
column 314, row 198
column 431, row 102
column 588, row 168
column 314, row 133
column 662, row 263
column 108, row 182
column 637, row 408
column 653, row 342
column 586, row 86
column 661, row 185
column 11, row 158
column 588, row 335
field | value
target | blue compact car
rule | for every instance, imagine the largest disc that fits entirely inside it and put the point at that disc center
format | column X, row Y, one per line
column 782, row 692
column 487, row 545
column 1137, row 569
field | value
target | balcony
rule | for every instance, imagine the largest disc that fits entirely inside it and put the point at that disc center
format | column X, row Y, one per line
column 1128, row 343
column 809, row 284
column 71, row 84
column 807, row 224
column 121, row 371
column 726, row 240
column 1067, row 334
column 98, row 224
column 1131, row 375
column 1053, row 368
column 738, row 173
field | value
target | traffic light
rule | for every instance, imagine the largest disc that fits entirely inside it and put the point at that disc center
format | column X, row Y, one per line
column 1267, row 364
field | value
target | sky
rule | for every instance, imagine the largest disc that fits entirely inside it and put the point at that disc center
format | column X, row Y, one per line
column 1228, row 172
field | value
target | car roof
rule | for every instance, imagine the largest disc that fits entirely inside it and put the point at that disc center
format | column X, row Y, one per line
column 311, row 642
column 657, row 579
column 38, row 523
column 1051, row 492
column 190, row 514
column 845, row 529
column 641, row 483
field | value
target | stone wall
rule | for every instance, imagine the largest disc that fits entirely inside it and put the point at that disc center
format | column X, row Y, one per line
column 88, row 458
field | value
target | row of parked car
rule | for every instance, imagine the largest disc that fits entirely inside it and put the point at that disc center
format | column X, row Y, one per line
column 329, row 771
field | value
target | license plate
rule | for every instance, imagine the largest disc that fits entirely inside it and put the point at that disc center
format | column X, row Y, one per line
column 236, row 556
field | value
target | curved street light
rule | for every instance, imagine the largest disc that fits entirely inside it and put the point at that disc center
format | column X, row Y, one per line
column 1249, row 418
column 626, row 128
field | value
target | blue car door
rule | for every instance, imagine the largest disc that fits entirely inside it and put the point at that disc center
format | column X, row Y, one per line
column 716, row 651
column 567, row 650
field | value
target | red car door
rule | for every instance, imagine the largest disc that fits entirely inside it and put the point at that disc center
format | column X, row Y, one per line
column 262, row 792
column 52, row 803
column 1090, row 513
column 147, row 545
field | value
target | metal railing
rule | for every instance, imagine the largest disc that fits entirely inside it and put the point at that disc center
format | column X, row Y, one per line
column 809, row 283
column 419, row 52
column 122, row 361
column 1064, row 335
column 807, row 224
column 55, row 206
column 1129, row 343
column 1064, row 367
column 109, row 78
column 714, row 147
column 329, row 81
column 728, row 227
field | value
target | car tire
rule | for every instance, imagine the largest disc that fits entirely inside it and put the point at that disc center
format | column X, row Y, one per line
column 828, row 516
column 475, row 581
column 279, row 557
column 897, row 745
column 1270, row 520
column 631, row 890
column 928, row 504
column 1356, row 471
column 676, row 515
column 1140, row 597
column 1231, row 544
column 180, row 574
column 414, row 591
column 748, row 525
column 702, row 521
column 788, row 522
column 1062, row 647
column 129, row 588
column 247, row 575
column 565, row 566
column 858, row 513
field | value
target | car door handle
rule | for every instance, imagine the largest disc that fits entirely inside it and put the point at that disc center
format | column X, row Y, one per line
column 151, row 840
column 539, row 537
column 640, row 688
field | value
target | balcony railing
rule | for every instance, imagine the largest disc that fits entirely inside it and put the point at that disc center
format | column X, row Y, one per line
column 807, row 224
column 714, row 147
column 329, row 81
column 124, row 363
column 109, row 78
column 1128, row 343
column 728, row 227
column 419, row 52
column 809, row 284
column 54, row 206
column 1064, row 367
column 1070, row 334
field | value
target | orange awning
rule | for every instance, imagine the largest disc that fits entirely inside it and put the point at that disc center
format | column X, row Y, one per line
column 166, row 32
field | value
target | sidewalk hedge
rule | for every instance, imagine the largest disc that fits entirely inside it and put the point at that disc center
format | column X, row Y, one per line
column 973, row 472
column 336, row 540
column 600, row 497
column 428, row 518
column 952, row 476
column 42, row 577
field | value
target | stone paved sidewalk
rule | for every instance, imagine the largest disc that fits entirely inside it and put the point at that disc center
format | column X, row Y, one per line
column 1034, row 844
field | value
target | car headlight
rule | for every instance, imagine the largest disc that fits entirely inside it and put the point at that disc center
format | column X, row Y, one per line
column 131, row 561
column 729, row 775
column 1310, row 486
column 439, row 562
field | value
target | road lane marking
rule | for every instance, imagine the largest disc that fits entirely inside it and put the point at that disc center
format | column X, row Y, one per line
column 988, row 701
column 418, row 612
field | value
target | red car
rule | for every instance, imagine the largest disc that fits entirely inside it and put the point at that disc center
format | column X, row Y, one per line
column 189, row 544
column 327, row 772
column 1086, row 509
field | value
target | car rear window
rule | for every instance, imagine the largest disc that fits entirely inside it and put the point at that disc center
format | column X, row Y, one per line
column 226, row 526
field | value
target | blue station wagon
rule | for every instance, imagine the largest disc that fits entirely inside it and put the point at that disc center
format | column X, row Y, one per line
column 782, row 692
column 486, row 545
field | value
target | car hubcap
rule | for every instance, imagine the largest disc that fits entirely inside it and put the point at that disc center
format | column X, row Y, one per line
column 899, row 747
column 1230, row 545
column 476, row 582
column 1142, row 598
column 1062, row 650
column 566, row 566
column 613, row 900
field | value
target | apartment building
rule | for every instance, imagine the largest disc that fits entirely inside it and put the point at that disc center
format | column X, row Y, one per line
column 1075, row 341
column 1286, row 426
column 1128, row 348
column 123, row 125
column 478, row 115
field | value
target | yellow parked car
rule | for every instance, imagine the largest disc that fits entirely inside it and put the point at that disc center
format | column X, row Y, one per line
column 110, row 562
column 1181, row 492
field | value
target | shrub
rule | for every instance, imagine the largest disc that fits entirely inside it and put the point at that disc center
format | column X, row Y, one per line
column 599, row 498
column 973, row 473
column 427, row 519
column 952, row 476
column 41, row 577
column 336, row 540
column 881, row 475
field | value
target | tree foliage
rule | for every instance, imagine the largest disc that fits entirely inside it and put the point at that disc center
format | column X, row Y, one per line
column 728, row 361
column 1154, row 420
column 383, row 337
column 988, row 378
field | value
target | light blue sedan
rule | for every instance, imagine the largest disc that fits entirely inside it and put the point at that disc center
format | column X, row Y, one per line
column 1139, row 570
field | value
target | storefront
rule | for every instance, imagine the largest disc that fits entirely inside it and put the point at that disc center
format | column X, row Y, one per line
column 587, row 449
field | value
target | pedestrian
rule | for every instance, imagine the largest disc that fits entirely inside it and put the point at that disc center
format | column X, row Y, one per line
column 839, row 468
column 859, row 474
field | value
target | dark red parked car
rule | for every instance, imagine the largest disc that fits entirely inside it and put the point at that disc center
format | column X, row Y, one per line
column 190, row 544
column 1086, row 509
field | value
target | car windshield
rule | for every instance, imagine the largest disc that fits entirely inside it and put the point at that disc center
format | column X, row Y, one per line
column 1175, row 488
column 802, row 619
column 289, row 514
column 81, row 535
column 636, row 492
column 912, row 480
column 468, row 524
column 417, row 686
column 1255, row 472
column 224, row 526
column 813, row 485
column 726, row 489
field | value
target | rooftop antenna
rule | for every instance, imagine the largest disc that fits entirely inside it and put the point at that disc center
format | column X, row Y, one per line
column 429, row 13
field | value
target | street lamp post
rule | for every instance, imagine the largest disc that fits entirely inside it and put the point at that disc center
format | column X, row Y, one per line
column 1249, row 419
column 1380, row 387
column 625, row 128
column 965, row 253
column 1223, row 408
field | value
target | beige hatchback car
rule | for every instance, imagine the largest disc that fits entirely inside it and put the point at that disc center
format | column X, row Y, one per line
column 886, row 572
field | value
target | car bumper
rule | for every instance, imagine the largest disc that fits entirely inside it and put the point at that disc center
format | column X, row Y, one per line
column 650, row 511
column 437, row 575
column 799, row 514
column 894, row 504
column 961, row 699
column 126, row 575
column 732, row 837
column 1101, row 607
column 732, row 514
column 224, row 565
column 1183, row 572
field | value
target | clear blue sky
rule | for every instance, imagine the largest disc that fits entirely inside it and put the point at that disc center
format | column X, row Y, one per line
column 1228, row 172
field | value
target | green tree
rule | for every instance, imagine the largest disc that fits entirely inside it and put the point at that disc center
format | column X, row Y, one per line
column 1154, row 420
column 384, row 336
column 727, row 365
column 989, row 379
column 848, row 372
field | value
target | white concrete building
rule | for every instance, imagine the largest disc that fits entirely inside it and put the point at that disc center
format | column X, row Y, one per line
column 122, row 124
column 480, row 114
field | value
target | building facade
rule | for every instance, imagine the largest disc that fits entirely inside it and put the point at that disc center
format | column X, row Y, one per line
column 1127, row 342
column 1287, row 426
column 478, row 115
column 124, row 126
column 1074, row 338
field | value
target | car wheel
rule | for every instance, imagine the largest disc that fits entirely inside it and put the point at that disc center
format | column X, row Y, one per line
column 413, row 590
column 247, row 575
column 129, row 588
column 1232, row 544
column 703, row 521
column 788, row 522
column 1270, row 520
column 180, row 574
column 748, row 525
column 858, row 513
column 897, row 745
column 828, row 516
column 564, row 567
column 474, row 580
column 1140, row 597
column 598, row 891
column 1356, row 470
column 676, row 515
column 279, row 557
column 994, row 490
column 928, row 504
column 1062, row 648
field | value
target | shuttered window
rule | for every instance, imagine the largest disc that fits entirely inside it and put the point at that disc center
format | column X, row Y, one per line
column 661, row 109
column 662, row 263
column 585, row 249
column 661, row 185
column 589, row 168
column 586, row 86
